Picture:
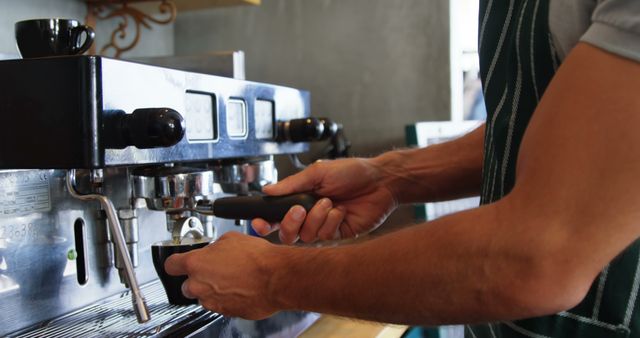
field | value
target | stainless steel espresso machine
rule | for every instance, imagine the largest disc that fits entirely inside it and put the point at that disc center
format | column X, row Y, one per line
column 100, row 158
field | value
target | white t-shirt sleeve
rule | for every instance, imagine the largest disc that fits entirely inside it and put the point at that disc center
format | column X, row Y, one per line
column 615, row 27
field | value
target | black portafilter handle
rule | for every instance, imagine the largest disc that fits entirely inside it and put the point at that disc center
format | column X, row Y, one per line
column 269, row 208
column 144, row 128
column 306, row 130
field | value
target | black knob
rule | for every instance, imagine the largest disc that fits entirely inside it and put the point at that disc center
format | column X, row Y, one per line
column 300, row 130
column 144, row 128
column 330, row 128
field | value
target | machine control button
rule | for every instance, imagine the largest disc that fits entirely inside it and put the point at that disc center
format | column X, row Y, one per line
column 201, row 113
column 264, row 119
column 236, row 119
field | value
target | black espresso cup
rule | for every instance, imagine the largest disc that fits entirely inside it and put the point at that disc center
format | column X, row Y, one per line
column 160, row 251
column 52, row 37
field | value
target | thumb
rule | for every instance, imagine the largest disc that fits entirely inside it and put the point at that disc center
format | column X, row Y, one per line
column 175, row 265
column 303, row 181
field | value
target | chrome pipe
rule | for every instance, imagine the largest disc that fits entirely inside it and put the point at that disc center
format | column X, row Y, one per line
column 139, row 303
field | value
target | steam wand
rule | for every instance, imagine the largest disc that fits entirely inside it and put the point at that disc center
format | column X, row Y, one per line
column 139, row 303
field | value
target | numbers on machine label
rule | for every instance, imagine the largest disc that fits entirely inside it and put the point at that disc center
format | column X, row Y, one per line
column 18, row 231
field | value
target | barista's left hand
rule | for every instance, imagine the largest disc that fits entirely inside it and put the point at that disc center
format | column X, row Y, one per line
column 230, row 276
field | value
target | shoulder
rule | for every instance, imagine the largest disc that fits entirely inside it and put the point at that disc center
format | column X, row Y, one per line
column 612, row 25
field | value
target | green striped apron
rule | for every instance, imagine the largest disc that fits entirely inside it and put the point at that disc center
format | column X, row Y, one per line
column 517, row 61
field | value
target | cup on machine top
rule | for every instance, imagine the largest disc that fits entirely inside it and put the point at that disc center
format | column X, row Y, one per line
column 52, row 37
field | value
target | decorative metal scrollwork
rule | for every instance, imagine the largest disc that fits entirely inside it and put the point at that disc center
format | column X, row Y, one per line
column 119, row 42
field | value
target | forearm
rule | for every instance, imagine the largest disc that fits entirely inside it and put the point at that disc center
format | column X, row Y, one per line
column 536, row 251
column 439, row 172
column 460, row 269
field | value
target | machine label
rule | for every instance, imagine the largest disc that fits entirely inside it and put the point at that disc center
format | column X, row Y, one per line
column 24, row 192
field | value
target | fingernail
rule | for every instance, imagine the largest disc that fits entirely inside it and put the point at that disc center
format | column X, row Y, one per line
column 337, row 234
column 325, row 203
column 185, row 292
column 298, row 213
column 285, row 241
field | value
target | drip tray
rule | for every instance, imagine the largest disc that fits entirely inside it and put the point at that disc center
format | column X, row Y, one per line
column 115, row 318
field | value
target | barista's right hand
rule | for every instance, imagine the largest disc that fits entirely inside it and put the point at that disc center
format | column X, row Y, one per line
column 355, row 199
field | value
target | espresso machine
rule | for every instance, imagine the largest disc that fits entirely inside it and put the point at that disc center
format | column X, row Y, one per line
column 100, row 158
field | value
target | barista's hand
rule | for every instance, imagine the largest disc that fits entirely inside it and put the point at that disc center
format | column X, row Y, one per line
column 355, row 200
column 229, row 276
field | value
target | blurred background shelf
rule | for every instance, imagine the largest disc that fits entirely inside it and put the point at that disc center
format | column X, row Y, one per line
column 189, row 5
column 184, row 5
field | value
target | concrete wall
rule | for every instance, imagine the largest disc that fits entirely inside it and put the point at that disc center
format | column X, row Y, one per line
column 158, row 41
column 374, row 65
